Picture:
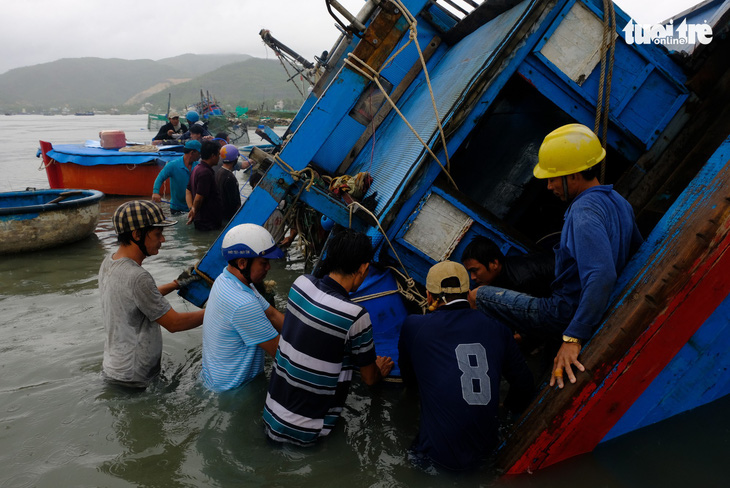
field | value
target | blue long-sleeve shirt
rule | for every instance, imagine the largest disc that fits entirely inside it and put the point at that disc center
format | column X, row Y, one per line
column 179, row 176
column 598, row 238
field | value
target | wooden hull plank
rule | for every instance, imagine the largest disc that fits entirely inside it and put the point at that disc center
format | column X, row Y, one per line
column 697, row 375
column 683, row 280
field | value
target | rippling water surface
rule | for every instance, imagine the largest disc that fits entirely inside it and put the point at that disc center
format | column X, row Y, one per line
column 60, row 425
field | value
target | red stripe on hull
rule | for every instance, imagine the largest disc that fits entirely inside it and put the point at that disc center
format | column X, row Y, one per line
column 596, row 409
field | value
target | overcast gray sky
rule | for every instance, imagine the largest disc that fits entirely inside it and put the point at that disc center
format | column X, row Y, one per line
column 41, row 31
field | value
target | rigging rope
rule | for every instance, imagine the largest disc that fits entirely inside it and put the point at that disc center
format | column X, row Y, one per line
column 281, row 60
column 608, row 48
column 410, row 292
column 374, row 76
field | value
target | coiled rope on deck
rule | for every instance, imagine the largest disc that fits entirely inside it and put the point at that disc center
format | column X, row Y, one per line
column 410, row 292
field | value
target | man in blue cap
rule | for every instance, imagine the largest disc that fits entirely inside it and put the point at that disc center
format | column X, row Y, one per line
column 178, row 171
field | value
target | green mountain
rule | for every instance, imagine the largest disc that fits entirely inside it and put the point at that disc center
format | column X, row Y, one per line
column 81, row 84
column 195, row 65
column 249, row 83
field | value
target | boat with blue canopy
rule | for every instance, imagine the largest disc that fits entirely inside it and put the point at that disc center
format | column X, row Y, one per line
column 130, row 170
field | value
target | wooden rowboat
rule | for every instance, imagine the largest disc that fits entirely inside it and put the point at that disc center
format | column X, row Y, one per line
column 33, row 220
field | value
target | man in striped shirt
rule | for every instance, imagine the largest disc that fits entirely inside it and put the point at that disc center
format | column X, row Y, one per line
column 325, row 338
column 240, row 325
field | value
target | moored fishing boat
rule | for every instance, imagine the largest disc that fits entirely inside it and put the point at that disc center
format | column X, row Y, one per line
column 39, row 219
column 111, row 171
column 216, row 119
column 445, row 111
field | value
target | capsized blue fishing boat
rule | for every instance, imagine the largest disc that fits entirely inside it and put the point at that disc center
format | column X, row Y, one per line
column 435, row 110
column 39, row 219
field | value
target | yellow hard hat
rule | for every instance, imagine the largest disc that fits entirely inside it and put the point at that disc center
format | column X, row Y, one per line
column 569, row 149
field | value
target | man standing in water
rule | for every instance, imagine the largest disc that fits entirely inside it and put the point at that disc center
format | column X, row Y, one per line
column 178, row 171
column 456, row 356
column 133, row 306
column 202, row 195
column 227, row 182
column 324, row 340
column 240, row 325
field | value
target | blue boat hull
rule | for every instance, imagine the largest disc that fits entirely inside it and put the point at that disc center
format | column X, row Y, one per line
column 31, row 220
column 454, row 160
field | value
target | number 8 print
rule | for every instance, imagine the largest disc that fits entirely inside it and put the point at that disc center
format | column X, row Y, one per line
column 475, row 386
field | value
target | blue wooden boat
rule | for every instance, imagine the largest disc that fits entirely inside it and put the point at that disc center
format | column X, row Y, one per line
column 446, row 107
column 39, row 219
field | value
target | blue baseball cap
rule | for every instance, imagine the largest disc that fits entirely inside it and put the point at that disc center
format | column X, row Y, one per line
column 192, row 146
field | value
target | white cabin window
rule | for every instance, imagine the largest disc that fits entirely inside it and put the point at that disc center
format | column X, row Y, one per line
column 438, row 228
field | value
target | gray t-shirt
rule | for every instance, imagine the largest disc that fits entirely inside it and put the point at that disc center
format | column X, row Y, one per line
column 130, row 305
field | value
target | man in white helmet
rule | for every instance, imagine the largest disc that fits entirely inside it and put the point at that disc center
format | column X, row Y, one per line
column 240, row 325
column 599, row 236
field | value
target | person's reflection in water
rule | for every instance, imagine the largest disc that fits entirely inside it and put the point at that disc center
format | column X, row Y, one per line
column 155, row 427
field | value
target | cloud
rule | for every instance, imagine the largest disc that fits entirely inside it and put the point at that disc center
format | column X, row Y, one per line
column 40, row 31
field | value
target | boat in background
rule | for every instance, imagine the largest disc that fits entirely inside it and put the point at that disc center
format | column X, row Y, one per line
column 155, row 121
column 216, row 119
column 39, row 219
column 445, row 110
column 111, row 171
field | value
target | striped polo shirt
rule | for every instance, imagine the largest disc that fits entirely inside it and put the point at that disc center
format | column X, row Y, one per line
column 325, row 337
column 233, row 327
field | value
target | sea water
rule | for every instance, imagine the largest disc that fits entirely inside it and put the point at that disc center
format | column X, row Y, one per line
column 60, row 425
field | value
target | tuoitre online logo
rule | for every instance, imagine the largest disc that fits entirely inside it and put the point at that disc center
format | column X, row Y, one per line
column 684, row 34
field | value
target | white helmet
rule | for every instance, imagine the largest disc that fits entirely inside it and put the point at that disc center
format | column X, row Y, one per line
column 249, row 241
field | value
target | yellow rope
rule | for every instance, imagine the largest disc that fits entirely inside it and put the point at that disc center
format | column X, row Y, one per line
column 374, row 76
column 205, row 277
column 297, row 174
column 413, row 35
column 373, row 296
column 410, row 292
column 608, row 47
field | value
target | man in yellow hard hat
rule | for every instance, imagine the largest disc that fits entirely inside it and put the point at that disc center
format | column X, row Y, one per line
column 598, row 238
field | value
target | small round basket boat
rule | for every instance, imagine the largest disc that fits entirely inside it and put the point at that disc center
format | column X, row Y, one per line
column 39, row 219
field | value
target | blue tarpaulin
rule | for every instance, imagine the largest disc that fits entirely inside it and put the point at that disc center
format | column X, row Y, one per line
column 94, row 156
